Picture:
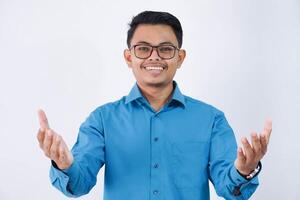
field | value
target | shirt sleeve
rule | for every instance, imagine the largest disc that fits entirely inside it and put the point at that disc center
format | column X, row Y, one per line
column 227, row 181
column 89, row 157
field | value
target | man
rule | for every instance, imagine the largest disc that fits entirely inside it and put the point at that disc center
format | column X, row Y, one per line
column 155, row 143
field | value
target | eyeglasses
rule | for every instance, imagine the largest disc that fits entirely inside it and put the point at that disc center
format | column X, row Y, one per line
column 144, row 51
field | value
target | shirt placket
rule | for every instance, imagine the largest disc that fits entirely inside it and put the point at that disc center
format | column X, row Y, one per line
column 155, row 169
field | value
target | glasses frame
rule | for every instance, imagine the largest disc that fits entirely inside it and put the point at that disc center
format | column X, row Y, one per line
column 154, row 47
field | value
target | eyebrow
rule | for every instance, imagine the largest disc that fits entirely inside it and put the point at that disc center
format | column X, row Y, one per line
column 162, row 43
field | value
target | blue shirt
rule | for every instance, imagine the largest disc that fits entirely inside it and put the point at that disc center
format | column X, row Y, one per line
column 169, row 154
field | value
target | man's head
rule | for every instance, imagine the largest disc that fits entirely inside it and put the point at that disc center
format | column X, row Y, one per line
column 155, row 18
column 154, row 41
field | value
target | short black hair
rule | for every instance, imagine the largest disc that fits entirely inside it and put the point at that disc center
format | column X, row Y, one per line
column 153, row 18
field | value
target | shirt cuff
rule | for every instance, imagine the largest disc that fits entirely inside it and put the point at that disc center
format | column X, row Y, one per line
column 61, row 178
column 238, row 179
column 69, row 171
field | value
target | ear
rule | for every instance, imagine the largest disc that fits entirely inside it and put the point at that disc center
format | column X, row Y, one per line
column 181, row 57
column 127, row 57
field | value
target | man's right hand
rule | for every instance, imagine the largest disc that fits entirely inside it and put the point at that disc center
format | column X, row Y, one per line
column 52, row 144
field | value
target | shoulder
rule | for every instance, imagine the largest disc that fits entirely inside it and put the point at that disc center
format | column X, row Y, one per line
column 196, row 104
column 109, row 107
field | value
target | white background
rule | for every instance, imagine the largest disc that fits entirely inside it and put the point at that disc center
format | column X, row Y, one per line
column 66, row 56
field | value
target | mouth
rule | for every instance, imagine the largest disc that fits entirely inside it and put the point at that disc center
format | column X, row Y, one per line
column 154, row 70
column 154, row 67
column 149, row 68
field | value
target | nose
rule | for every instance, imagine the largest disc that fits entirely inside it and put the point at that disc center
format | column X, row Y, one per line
column 154, row 55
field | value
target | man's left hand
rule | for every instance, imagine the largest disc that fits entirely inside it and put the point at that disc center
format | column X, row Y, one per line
column 249, row 157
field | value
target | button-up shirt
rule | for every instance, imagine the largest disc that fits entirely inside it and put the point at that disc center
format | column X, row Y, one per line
column 170, row 154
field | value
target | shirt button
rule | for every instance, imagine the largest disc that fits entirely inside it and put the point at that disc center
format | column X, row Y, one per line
column 236, row 191
column 155, row 192
column 155, row 139
column 156, row 165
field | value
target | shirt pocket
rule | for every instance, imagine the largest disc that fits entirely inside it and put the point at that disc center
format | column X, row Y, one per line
column 189, row 163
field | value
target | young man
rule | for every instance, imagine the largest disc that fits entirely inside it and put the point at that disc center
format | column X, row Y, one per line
column 155, row 143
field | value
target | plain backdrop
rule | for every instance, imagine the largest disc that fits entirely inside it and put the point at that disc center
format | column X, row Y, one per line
column 66, row 56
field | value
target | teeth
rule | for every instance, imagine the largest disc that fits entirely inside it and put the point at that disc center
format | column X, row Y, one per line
column 154, row 68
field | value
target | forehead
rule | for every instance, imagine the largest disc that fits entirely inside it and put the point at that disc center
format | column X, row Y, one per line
column 154, row 34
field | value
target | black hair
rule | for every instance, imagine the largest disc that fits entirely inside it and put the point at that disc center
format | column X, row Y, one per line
column 153, row 18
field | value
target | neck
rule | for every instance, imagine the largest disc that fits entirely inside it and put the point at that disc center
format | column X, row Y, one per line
column 157, row 96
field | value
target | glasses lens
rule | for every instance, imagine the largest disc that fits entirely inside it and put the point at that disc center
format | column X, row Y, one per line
column 166, row 52
column 142, row 51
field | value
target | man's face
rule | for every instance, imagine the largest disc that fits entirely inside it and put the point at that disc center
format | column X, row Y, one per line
column 154, row 71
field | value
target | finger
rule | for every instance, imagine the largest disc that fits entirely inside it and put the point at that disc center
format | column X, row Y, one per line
column 62, row 153
column 63, row 149
column 241, row 156
column 40, row 137
column 43, row 119
column 247, row 149
column 48, row 142
column 267, row 129
column 264, row 143
column 256, row 146
column 265, row 135
column 54, row 149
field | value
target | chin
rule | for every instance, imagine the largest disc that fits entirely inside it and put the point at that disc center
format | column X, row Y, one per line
column 156, row 84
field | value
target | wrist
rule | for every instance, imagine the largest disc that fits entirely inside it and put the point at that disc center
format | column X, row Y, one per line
column 251, row 174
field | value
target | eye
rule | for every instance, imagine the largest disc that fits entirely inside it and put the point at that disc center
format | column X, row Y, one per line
column 166, row 48
column 143, row 48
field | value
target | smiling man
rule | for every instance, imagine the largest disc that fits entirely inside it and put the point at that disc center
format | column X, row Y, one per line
column 155, row 143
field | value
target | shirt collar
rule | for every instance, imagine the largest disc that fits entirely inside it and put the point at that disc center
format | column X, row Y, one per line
column 136, row 94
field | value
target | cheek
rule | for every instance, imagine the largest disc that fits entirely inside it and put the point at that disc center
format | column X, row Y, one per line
column 136, row 67
column 173, row 65
column 136, row 63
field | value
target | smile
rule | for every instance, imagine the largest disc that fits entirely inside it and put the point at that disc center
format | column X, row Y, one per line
column 154, row 68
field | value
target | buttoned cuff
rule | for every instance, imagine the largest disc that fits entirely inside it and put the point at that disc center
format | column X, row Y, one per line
column 238, row 179
column 241, row 183
column 60, row 178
